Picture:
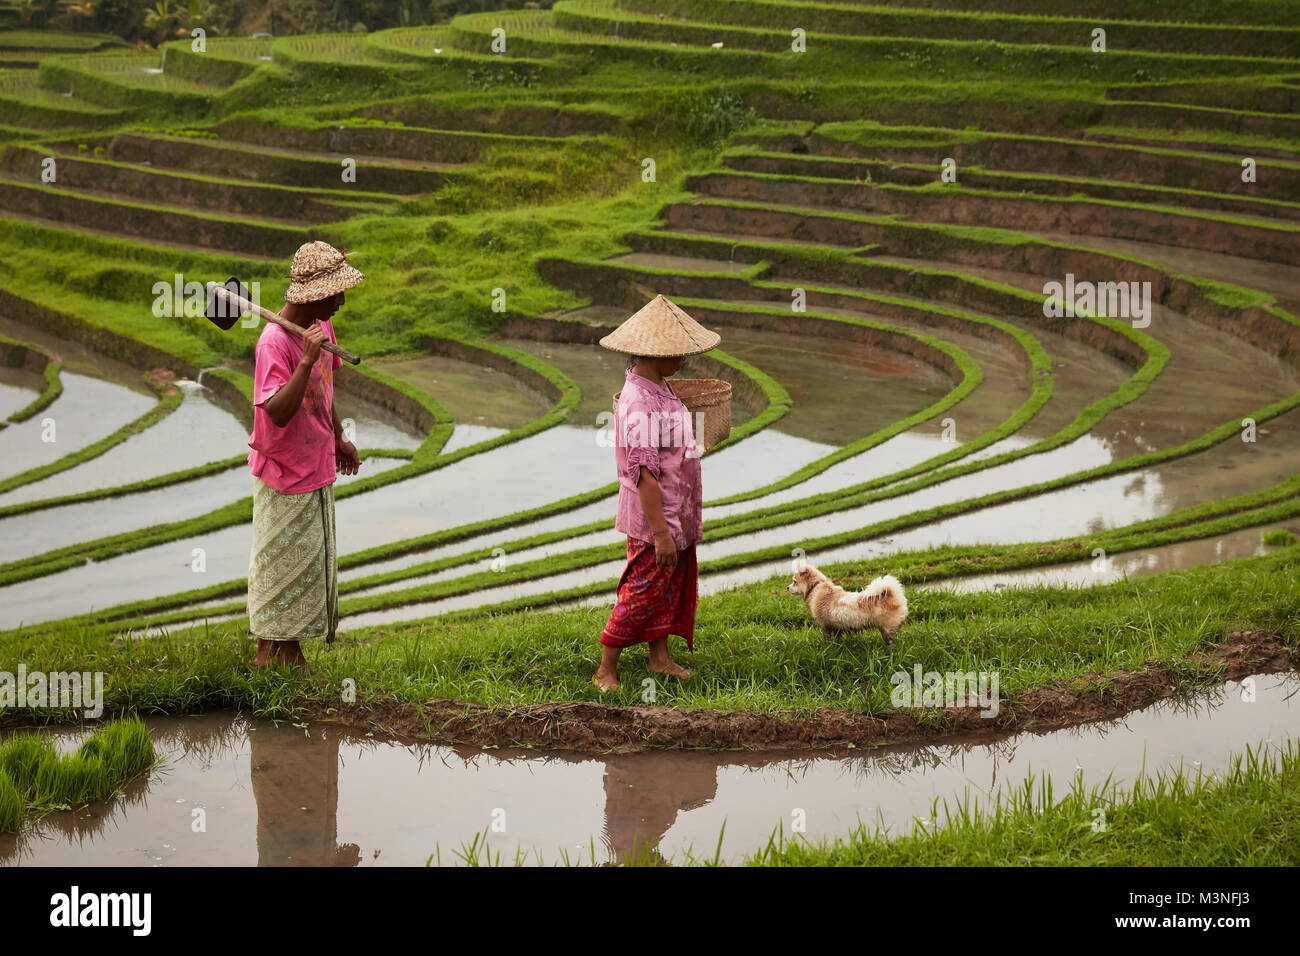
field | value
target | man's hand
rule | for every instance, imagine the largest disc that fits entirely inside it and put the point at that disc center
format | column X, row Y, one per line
column 312, row 338
column 345, row 457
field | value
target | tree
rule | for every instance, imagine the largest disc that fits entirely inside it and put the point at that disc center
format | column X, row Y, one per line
column 164, row 20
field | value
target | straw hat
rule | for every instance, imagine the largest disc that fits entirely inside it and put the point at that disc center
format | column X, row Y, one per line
column 660, row 330
column 318, row 272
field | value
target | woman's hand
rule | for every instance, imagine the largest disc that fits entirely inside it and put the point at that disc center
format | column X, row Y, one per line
column 665, row 550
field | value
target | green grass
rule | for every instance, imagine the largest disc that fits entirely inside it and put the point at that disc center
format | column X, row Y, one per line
column 1243, row 816
column 50, row 373
column 53, row 41
column 822, row 20
column 36, row 779
column 1280, row 539
column 756, row 650
column 433, row 260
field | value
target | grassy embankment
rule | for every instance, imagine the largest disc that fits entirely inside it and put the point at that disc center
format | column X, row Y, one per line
column 756, row 649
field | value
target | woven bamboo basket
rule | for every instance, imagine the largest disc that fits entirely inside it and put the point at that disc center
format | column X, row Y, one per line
column 709, row 402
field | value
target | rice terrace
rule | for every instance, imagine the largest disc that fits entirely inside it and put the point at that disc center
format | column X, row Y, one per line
column 985, row 326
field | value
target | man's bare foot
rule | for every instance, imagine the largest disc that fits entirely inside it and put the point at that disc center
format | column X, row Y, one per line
column 263, row 653
column 605, row 681
column 671, row 669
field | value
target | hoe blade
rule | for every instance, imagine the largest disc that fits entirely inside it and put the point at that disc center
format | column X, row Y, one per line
column 221, row 310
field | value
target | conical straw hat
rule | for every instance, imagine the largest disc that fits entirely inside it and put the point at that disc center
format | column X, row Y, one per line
column 660, row 330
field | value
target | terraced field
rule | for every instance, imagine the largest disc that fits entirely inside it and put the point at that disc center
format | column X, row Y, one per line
column 1007, row 300
column 871, row 221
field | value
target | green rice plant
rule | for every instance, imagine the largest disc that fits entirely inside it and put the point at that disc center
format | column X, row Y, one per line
column 22, row 758
column 34, row 776
column 12, row 805
column 54, row 41
column 327, row 47
column 125, row 746
column 1280, row 539
column 1241, row 816
column 239, row 48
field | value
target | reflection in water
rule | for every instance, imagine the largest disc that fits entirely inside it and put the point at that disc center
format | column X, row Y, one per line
column 296, row 787
column 277, row 795
column 640, row 808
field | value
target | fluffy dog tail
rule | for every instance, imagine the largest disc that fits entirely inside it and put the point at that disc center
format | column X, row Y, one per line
column 889, row 591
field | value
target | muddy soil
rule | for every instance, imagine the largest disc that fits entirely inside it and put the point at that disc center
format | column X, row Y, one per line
column 591, row 727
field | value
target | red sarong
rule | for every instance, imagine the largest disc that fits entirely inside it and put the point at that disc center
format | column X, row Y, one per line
column 653, row 601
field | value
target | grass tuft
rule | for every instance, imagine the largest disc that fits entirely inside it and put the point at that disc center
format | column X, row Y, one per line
column 34, row 776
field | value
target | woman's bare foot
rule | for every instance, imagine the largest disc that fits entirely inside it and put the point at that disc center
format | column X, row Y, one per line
column 605, row 681
column 671, row 669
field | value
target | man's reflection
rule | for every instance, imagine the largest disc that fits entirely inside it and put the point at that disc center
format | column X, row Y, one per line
column 296, row 787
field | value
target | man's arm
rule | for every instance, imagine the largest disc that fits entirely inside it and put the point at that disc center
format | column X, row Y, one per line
column 346, row 458
column 284, row 404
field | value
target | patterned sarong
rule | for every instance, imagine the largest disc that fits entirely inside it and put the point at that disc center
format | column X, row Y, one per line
column 653, row 601
column 293, row 571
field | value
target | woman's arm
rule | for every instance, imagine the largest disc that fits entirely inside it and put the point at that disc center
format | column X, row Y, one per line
column 652, row 506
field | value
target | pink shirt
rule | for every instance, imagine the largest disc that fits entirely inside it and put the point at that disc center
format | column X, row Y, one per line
column 654, row 429
column 300, row 456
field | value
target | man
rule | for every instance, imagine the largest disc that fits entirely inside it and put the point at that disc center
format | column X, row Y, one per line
column 297, row 447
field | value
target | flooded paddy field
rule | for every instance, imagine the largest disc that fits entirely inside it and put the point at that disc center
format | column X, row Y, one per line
column 1246, row 543
column 19, row 387
column 902, row 402
column 278, row 795
column 197, row 432
column 88, row 410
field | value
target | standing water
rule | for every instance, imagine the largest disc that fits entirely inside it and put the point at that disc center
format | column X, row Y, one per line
column 318, row 795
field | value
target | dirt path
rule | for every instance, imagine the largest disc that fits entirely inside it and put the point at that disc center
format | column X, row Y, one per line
column 590, row 727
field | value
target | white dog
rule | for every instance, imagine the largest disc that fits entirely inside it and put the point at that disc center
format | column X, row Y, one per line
column 882, row 604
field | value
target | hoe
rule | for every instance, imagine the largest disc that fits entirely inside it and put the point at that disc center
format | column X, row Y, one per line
column 228, row 302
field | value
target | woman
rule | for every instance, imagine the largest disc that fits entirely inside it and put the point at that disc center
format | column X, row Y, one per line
column 297, row 447
column 660, row 495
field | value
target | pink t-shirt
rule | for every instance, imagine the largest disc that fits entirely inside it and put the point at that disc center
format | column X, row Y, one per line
column 300, row 456
column 654, row 429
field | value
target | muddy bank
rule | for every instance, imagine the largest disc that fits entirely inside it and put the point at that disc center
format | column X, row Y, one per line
column 287, row 167
column 961, row 208
column 159, row 188
column 126, row 353
column 924, row 172
column 151, row 223
column 1047, row 257
column 391, row 142
column 614, row 284
column 551, row 120
column 589, row 727
column 1048, row 157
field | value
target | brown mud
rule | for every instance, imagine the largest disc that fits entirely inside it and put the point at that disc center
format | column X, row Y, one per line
column 590, row 727
column 1025, row 213
column 1052, row 157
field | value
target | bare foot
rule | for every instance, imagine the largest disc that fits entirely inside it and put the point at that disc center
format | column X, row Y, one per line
column 605, row 681
column 671, row 669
